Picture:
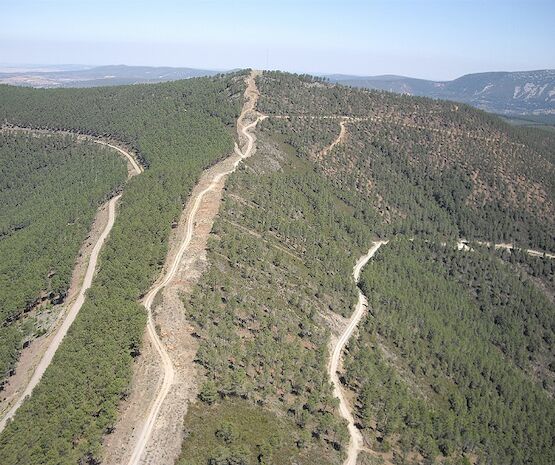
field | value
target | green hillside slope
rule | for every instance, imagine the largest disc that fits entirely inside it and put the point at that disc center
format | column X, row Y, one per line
column 454, row 362
column 439, row 171
column 452, row 359
column 50, row 188
column 429, row 166
column 178, row 129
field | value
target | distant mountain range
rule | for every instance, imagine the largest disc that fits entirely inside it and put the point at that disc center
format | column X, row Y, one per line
column 523, row 93
column 508, row 93
column 73, row 76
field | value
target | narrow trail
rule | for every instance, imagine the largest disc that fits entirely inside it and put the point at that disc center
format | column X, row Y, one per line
column 341, row 136
column 356, row 441
column 456, row 133
column 462, row 244
column 169, row 372
column 69, row 318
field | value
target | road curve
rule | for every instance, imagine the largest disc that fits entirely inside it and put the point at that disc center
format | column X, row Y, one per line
column 356, row 442
column 69, row 318
column 137, row 169
column 167, row 365
column 340, row 137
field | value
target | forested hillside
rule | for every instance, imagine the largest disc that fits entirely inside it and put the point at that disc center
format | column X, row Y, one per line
column 466, row 378
column 50, row 188
column 429, row 166
column 453, row 359
column 280, row 258
column 177, row 129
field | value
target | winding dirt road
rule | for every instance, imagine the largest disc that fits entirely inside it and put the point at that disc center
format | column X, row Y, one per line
column 342, row 134
column 356, row 442
column 69, row 318
column 166, row 361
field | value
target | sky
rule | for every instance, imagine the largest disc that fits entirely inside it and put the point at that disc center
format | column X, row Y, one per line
column 430, row 39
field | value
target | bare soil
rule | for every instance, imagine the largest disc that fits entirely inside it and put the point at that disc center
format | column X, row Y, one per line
column 340, row 138
column 337, row 345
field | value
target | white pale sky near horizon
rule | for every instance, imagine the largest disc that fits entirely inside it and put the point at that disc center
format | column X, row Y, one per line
column 433, row 39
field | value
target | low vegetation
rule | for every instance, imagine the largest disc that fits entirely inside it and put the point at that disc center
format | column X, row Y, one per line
column 238, row 432
column 281, row 257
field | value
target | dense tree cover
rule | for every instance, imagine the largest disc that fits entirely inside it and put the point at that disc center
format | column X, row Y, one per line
column 438, row 366
column 239, row 433
column 430, row 166
column 281, row 262
column 476, row 194
column 516, row 316
column 178, row 129
column 404, row 206
column 538, row 268
column 50, row 188
column 456, row 358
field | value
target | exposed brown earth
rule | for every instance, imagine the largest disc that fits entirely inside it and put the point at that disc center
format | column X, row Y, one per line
column 356, row 443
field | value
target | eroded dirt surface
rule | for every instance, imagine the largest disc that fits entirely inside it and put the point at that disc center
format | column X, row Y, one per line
column 356, row 442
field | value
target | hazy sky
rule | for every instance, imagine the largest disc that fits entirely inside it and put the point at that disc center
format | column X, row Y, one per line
column 439, row 39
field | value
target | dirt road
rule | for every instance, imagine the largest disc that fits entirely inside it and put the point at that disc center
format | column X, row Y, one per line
column 133, row 169
column 462, row 244
column 169, row 371
column 337, row 140
column 69, row 319
column 356, row 442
